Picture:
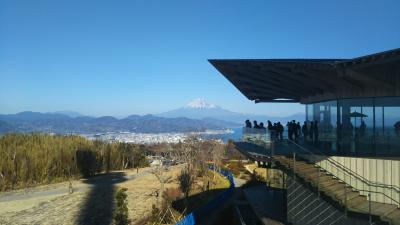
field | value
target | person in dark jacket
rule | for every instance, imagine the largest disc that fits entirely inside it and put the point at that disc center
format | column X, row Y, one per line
column 296, row 130
column 248, row 123
column 299, row 129
column 304, row 130
column 269, row 125
column 397, row 128
column 316, row 132
column 311, row 131
column 255, row 124
column 280, row 131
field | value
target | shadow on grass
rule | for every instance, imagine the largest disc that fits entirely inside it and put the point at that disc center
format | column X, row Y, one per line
column 196, row 201
column 99, row 206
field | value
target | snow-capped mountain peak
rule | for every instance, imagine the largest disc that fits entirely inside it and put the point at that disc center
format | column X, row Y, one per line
column 200, row 103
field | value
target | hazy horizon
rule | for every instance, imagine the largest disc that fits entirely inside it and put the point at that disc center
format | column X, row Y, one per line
column 66, row 111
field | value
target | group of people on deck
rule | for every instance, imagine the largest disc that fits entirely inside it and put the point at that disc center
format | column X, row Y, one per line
column 294, row 129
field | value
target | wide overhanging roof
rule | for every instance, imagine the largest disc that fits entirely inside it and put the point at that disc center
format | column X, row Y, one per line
column 311, row 80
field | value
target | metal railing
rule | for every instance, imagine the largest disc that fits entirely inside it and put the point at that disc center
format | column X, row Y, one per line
column 377, row 179
column 354, row 180
column 261, row 137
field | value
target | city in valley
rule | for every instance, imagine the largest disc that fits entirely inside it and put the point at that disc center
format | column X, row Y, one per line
column 158, row 138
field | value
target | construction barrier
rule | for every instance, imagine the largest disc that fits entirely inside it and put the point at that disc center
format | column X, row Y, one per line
column 203, row 211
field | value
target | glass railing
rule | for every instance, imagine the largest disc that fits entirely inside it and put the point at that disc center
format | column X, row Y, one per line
column 256, row 136
column 373, row 177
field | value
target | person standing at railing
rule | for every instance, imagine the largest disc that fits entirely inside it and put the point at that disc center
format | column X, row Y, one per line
column 248, row 124
column 269, row 125
column 256, row 126
column 262, row 126
column 273, row 132
column 316, row 132
column 304, row 130
column 311, row 131
column 289, row 130
column 297, row 129
column 293, row 132
column 279, row 131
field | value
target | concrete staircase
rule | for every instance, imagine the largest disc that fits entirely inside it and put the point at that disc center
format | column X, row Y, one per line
column 339, row 191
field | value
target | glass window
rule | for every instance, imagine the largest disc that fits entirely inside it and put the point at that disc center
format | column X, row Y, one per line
column 356, row 126
column 360, row 126
column 310, row 112
column 388, row 126
column 321, row 126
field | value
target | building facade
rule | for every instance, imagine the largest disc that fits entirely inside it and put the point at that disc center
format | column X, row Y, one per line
column 351, row 148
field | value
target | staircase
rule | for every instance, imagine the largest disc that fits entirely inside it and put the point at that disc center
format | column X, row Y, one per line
column 339, row 191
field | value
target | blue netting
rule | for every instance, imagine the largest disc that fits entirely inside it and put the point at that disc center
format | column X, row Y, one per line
column 191, row 218
column 187, row 220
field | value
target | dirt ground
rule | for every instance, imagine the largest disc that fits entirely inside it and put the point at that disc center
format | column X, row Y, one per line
column 91, row 202
column 142, row 192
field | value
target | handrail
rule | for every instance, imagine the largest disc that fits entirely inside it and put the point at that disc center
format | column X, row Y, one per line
column 351, row 173
column 345, row 171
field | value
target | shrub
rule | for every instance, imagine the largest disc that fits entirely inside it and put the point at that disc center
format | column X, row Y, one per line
column 186, row 180
column 86, row 162
column 172, row 194
column 121, row 211
column 32, row 159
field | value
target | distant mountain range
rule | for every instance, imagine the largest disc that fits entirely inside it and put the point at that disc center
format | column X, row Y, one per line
column 59, row 123
column 200, row 109
column 198, row 115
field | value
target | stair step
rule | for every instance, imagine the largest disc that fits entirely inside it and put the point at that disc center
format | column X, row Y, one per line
column 332, row 189
column 307, row 169
column 300, row 164
column 335, row 187
column 341, row 191
column 324, row 178
column 350, row 195
column 328, row 183
column 393, row 217
column 377, row 209
column 354, row 202
column 313, row 173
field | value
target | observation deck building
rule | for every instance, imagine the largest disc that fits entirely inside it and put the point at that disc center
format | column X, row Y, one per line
column 356, row 106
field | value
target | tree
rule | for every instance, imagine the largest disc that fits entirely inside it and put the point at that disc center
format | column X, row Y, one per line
column 186, row 180
column 121, row 210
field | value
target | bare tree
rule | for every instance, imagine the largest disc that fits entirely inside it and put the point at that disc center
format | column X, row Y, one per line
column 217, row 154
column 186, row 180
column 158, row 172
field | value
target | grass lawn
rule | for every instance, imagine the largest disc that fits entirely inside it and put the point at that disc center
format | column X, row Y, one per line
column 199, row 196
column 238, row 169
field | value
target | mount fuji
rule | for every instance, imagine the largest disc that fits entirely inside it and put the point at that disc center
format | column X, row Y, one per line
column 200, row 109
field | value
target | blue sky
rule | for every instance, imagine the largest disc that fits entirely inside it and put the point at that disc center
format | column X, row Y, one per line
column 136, row 57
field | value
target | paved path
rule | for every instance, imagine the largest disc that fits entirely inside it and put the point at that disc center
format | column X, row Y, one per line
column 91, row 202
column 60, row 188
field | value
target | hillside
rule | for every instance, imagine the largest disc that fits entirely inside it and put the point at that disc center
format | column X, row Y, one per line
column 57, row 123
